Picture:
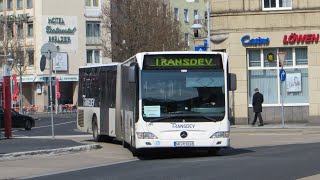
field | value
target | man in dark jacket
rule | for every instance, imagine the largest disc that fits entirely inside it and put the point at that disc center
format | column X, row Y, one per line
column 257, row 106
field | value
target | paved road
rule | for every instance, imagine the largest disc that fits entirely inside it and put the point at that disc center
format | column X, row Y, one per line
column 40, row 137
column 284, row 162
column 64, row 124
column 244, row 145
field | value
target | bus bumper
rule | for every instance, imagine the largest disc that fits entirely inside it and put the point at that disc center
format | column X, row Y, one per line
column 187, row 143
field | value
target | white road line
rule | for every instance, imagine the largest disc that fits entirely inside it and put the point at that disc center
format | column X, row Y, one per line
column 46, row 126
column 58, row 136
column 54, row 124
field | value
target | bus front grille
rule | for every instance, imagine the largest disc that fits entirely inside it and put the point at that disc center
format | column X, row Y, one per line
column 81, row 118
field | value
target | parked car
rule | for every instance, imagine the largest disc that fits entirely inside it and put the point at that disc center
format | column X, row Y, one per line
column 18, row 120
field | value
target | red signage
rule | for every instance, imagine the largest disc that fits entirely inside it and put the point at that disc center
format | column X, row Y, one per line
column 58, row 88
column 300, row 38
column 16, row 88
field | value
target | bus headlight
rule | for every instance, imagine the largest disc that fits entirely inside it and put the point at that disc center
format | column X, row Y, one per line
column 146, row 135
column 221, row 134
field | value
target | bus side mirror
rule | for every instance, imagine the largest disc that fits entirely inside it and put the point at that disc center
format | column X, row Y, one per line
column 132, row 74
column 232, row 82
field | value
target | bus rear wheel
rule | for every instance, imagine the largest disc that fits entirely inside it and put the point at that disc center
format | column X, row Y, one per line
column 96, row 136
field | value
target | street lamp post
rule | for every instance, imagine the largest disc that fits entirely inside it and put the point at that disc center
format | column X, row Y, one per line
column 20, row 87
column 282, row 75
column 49, row 51
column 56, row 98
column 7, row 95
column 208, row 26
column 199, row 26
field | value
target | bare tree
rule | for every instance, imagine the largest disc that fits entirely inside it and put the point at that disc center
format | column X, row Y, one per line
column 139, row 26
column 12, row 40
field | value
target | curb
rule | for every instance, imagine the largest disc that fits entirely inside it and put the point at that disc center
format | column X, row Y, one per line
column 48, row 152
column 278, row 130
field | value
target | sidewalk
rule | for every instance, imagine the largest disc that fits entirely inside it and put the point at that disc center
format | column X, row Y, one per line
column 20, row 148
column 277, row 128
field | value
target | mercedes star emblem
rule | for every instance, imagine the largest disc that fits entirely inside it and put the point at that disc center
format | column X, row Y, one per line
column 183, row 134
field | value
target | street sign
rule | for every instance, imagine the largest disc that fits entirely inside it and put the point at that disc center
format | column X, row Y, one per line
column 205, row 42
column 200, row 48
column 49, row 50
column 43, row 62
column 282, row 75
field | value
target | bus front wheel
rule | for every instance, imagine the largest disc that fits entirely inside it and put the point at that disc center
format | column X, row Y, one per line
column 96, row 136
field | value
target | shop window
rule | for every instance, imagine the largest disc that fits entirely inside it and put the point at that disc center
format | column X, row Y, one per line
column 254, row 58
column 265, row 76
column 267, row 82
column 276, row 4
column 289, row 58
column 301, row 56
column 270, row 57
column 296, row 86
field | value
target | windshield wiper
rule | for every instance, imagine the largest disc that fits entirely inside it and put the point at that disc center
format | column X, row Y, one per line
column 207, row 117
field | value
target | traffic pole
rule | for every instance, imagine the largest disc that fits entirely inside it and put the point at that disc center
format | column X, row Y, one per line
column 7, row 100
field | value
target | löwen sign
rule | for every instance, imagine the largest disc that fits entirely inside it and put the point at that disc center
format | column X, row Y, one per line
column 300, row 38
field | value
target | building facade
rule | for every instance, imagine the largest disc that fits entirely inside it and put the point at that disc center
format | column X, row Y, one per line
column 186, row 13
column 253, row 32
column 74, row 27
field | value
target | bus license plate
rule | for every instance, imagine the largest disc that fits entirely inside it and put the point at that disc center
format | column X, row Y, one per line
column 183, row 143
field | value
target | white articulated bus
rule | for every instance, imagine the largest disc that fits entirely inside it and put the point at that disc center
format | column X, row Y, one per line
column 158, row 100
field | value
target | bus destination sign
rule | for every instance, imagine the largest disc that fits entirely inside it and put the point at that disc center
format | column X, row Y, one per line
column 182, row 61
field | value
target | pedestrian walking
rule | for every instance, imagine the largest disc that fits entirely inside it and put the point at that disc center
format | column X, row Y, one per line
column 257, row 101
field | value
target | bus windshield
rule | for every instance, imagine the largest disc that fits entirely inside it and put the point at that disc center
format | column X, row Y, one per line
column 183, row 95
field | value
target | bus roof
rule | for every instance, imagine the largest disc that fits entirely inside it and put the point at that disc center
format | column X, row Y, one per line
column 100, row 65
column 182, row 52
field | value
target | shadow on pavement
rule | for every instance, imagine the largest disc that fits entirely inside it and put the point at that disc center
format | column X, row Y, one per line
column 190, row 153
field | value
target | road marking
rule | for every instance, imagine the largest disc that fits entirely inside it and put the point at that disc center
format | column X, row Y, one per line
column 46, row 126
column 54, row 125
column 57, row 136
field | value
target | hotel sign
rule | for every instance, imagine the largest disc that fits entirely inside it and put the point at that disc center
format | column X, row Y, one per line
column 14, row 18
column 61, row 31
